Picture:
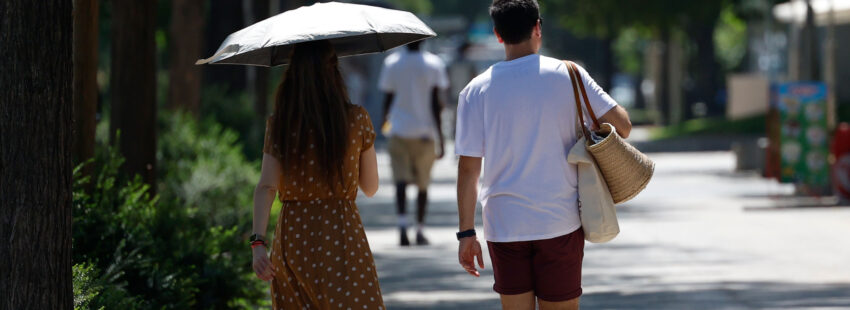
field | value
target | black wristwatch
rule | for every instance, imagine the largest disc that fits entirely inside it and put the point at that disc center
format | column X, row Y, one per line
column 465, row 233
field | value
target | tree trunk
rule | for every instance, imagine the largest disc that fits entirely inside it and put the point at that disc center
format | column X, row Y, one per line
column 607, row 81
column 708, row 75
column 85, row 79
column 36, row 137
column 226, row 18
column 133, row 83
column 187, row 22
column 261, row 74
column 708, row 70
column 809, row 65
column 663, row 88
column 287, row 5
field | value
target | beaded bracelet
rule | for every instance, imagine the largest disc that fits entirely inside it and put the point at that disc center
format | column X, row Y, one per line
column 257, row 243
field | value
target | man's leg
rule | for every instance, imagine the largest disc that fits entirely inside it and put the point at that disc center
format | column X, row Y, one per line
column 557, row 270
column 421, row 207
column 524, row 301
column 513, row 272
column 401, row 166
column 423, row 160
column 571, row 304
column 401, row 208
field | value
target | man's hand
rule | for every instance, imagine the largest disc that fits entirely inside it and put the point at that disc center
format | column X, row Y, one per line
column 262, row 265
column 385, row 128
column 468, row 251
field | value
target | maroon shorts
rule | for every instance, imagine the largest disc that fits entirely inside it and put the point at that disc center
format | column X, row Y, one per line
column 551, row 267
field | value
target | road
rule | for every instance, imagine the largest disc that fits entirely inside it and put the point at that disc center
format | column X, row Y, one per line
column 701, row 236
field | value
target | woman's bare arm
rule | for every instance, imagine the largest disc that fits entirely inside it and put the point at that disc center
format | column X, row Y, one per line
column 369, row 172
column 265, row 192
column 263, row 198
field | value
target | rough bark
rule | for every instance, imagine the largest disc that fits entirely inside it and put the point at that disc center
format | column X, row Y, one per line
column 261, row 74
column 226, row 18
column 36, row 134
column 133, row 83
column 85, row 79
column 187, row 23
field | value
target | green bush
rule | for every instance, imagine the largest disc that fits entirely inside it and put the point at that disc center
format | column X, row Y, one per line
column 235, row 111
column 201, row 167
column 183, row 249
column 93, row 290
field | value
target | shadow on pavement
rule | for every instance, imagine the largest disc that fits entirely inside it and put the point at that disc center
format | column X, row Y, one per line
column 726, row 295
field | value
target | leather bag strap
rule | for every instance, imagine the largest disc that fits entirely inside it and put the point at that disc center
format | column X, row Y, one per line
column 579, row 111
column 578, row 86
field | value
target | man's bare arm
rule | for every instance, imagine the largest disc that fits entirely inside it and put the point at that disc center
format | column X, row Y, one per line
column 469, row 250
column 436, row 111
column 618, row 117
column 468, row 171
column 388, row 101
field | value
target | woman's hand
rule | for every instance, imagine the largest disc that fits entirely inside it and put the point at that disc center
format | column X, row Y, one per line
column 262, row 265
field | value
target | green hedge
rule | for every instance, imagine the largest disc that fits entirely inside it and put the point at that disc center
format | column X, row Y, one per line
column 709, row 126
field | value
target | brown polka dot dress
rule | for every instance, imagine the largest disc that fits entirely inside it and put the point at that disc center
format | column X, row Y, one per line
column 320, row 252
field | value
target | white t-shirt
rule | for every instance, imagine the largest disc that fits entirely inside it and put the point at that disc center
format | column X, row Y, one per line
column 519, row 115
column 411, row 76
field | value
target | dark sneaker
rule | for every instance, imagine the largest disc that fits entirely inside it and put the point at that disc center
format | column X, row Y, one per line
column 404, row 240
column 420, row 239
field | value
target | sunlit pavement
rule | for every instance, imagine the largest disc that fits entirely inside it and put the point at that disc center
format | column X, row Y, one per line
column 699, row 237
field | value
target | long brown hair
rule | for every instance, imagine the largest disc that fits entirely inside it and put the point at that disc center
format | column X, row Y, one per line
column 311, row 111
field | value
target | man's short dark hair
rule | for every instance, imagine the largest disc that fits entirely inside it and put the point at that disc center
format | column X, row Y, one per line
column 515, row 19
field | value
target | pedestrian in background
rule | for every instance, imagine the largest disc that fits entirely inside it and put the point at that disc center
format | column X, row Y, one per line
column 412, row 81
column 318, row 149
column 520, row 115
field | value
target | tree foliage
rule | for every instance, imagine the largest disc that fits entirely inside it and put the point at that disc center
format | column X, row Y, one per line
column 416, row 6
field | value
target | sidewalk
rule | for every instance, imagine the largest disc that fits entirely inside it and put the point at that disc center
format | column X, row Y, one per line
column 691, row 241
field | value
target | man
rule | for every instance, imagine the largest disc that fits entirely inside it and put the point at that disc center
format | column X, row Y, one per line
column 520, row 116
column 412, row 81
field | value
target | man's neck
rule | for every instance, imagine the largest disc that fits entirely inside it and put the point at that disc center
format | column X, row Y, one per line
column 514, row 51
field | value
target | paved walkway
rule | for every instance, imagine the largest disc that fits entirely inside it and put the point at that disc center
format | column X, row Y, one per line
column 699, row 237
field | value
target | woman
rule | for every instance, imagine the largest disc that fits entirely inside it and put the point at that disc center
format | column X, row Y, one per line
column 318, row 149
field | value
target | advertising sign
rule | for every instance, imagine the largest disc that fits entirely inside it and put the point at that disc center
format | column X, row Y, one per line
column 804, row 137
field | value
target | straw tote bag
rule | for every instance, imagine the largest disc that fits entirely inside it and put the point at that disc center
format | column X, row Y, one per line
column 596, row 197
column 625, row 170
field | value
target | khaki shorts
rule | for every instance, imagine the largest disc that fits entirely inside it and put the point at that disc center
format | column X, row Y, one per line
column 411, row 160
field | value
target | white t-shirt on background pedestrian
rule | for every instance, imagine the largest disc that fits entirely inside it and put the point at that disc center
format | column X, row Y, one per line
column 519, row 115
column 411, row 76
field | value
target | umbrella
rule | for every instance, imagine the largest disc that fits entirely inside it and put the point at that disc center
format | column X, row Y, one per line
column 353, row 29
